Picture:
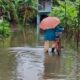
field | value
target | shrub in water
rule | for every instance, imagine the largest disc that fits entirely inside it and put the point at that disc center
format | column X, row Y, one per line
column 4, row 28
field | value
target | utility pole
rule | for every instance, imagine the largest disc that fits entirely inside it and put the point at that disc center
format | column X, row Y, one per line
column 38, row 21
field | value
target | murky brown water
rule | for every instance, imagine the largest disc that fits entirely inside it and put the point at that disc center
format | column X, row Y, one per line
column 21, row 59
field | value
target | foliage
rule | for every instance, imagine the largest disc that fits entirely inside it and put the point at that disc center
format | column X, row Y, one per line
column 66, row 12
column 17, row 10
column 69, row 13
column 4, row 29
column 27, row 11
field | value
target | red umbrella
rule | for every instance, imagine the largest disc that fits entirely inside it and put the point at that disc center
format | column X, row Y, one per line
column 49, row 22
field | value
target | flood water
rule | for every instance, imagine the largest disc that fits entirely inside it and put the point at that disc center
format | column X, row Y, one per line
column 22, row 59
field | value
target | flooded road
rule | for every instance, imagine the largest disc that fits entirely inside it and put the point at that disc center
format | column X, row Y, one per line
column 21, row 61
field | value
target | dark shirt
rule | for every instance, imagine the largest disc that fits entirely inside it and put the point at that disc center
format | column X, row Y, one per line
column 52, row 34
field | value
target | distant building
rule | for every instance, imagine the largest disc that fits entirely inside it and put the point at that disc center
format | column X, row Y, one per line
column 44, row 6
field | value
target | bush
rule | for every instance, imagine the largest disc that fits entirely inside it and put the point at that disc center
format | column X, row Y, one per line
column 4, row 28
column 66, row 12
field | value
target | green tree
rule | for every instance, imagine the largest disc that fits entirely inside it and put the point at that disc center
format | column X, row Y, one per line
column 12, row 9
column 69, row 13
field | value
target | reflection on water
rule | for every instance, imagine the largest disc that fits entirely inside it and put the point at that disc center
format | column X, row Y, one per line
column 17, row 39
column 7, row 65
column 22, row 38
column 29, row 63
column 21, row 59
column 52, row 66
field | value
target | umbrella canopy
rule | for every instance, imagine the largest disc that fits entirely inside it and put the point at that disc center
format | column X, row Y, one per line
column 49, row 22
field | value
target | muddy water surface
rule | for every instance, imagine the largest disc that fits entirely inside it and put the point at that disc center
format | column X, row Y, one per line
column 21, row 59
